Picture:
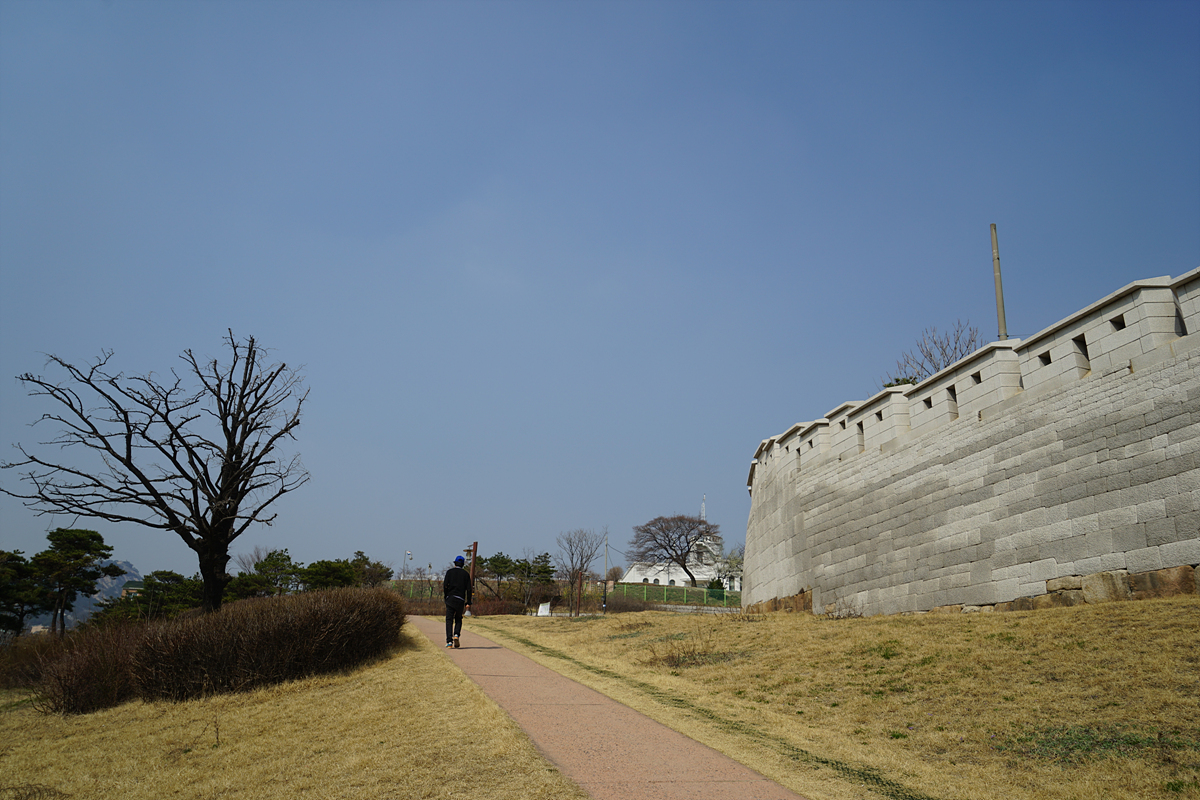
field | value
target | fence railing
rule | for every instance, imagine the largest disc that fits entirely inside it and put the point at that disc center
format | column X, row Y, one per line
column 677, row 595
column 646, row 592
column 418, row 588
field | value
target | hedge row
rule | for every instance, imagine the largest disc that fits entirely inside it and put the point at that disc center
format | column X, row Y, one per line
column 245, row 645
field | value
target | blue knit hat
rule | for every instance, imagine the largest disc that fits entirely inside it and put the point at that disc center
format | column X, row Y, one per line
column 459, row 561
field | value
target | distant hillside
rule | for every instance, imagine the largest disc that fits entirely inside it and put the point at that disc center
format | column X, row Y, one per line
column 108, row 589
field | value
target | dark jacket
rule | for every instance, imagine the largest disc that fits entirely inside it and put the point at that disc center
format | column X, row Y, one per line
column 457, row 584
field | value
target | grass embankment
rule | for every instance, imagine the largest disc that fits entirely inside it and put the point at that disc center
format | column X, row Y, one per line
column 406, row 726
column 1089, row 703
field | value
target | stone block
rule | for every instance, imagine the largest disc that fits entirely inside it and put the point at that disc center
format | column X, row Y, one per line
column 1042, row 601
column 1032, row 589
column 1084, row 522
column 1152, row 510
column 950, row 609
column 1070, row 597
column 1180, row 504
column 1145, row 559
column 980, row 593
column 1119, row 517
column 1070, row 549
column 1162, row 583
column 1044, row 570
column 1176, row 553
column 1067, row 582
column 1007, row 588
column 1020, row 604
column 1187, row 526
column 1105, row 587
column 1161, row 531
column 1092, row 544
column 1128, row 538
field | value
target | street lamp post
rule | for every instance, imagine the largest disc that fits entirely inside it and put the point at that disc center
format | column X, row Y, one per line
column 604, row 601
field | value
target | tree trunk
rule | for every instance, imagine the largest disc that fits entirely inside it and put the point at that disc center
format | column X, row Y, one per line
column 214, row 558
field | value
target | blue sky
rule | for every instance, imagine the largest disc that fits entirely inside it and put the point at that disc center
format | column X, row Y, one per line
column 563, row 265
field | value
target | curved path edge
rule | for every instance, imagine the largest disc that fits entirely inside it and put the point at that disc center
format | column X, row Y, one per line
column 607, row 748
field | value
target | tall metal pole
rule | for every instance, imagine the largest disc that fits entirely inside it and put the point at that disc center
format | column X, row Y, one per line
column 604, row 600
column 474, row 551
column 999, row 286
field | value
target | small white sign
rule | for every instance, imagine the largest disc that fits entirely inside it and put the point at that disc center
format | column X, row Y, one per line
column 544, row 610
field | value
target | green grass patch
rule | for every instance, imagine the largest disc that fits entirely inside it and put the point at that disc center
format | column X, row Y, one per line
column 1073, row 744
column 1179, row 787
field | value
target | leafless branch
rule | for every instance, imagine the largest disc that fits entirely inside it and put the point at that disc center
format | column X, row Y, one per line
column 670, row 539
column 203, row 462
column 934, row 352
column 577, row 550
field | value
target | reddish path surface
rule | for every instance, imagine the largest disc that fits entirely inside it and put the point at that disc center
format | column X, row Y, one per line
column 609, row 749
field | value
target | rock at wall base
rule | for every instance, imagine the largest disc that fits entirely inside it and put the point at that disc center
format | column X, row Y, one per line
column 1163, row 583
column 1106, row 587
column 1065, row 583
column 793, row 603
column 1099, row 587
column 951, row 609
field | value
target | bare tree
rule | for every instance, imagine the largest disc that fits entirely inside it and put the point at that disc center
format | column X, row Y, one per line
column 248, row 561
column 674, row 539
column 199, row 462
column 934, row 352
column 577, row 550
column 730, row 565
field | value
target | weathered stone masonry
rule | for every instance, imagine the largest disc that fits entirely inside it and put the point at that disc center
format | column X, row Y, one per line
column 1015, row 473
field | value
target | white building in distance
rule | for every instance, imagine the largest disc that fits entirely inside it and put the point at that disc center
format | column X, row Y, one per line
column 705, row 562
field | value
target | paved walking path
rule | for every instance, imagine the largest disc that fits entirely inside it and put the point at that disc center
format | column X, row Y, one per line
column 609, row 749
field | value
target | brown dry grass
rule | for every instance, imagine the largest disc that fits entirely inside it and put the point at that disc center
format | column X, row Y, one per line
column 1089, row 703
column 409, row 726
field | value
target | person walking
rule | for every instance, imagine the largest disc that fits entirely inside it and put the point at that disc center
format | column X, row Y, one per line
column 457, row 590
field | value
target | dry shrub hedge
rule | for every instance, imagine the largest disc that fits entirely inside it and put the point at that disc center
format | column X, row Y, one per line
column 482, row 607
column 86, row 671
column 427, row 607
column 491, row 607
column 22, row 659
column 618, row 604
column 245, row 645
column 264, row 641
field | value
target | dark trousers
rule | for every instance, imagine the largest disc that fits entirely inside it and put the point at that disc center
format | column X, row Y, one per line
column 454, row 612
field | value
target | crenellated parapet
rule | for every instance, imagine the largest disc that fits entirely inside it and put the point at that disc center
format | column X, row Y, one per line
column 1068, row 452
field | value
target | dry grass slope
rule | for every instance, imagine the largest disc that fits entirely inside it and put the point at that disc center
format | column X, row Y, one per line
column 408, row 726
column 1090, row 703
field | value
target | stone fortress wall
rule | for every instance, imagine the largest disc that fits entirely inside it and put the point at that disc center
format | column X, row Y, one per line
column 1030, row 469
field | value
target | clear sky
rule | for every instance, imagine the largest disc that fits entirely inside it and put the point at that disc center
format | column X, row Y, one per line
column 550, row 265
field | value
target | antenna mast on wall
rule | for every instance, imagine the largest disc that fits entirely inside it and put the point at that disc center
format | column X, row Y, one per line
column 999, row 286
